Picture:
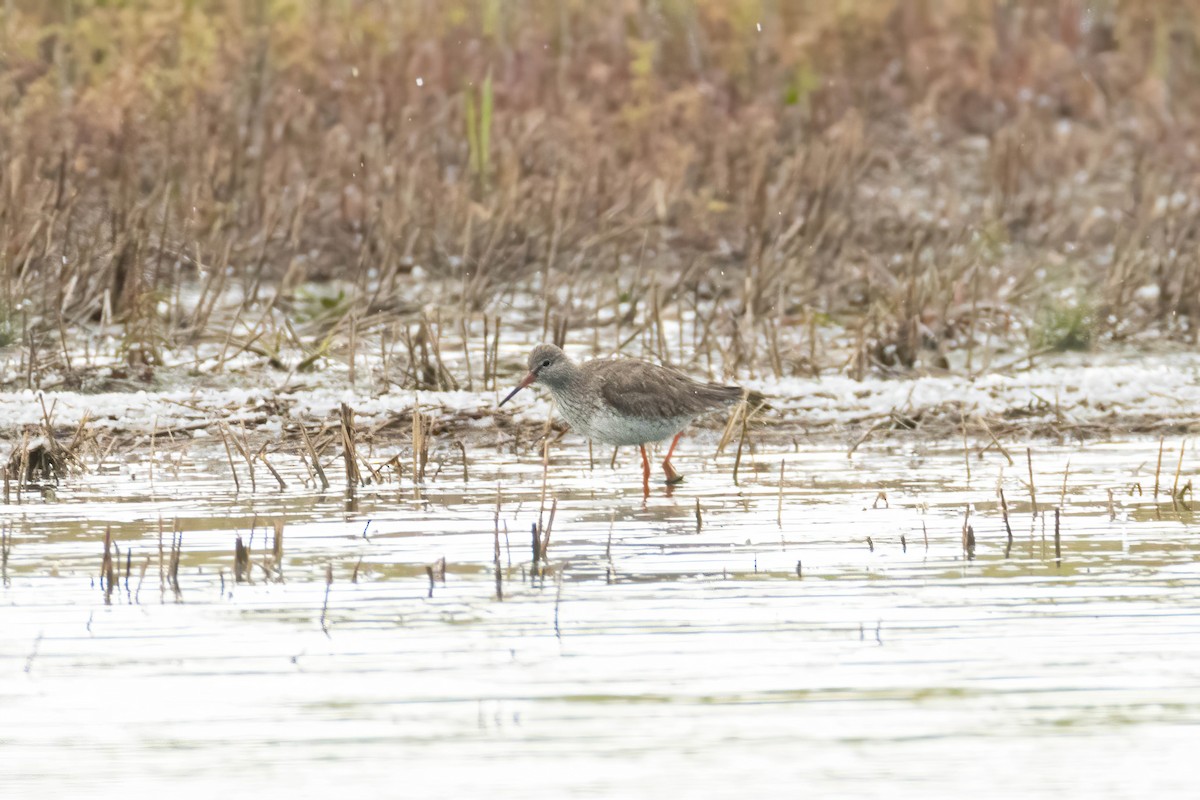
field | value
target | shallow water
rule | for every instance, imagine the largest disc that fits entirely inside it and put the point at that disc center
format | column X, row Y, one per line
column 653, row 656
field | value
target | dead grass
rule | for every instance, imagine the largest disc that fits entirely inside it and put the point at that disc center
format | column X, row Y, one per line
column 286, row 182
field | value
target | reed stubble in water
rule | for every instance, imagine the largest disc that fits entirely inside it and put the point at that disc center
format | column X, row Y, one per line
column 1057, row 538
column 241, row 561
column 1032, row 490
column 107, row 569
column 349, row 448
column 315, row 458
column 325, row 602
column 1175, row 486
column 496, row 563
column 5, row 549
column 1007, row 527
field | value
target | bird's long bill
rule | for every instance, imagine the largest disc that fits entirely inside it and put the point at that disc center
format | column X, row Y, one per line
column 528, row 379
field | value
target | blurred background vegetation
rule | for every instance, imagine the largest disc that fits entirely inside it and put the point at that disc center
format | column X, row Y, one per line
column 880, row 185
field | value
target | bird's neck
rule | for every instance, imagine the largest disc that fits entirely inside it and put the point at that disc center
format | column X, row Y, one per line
column 566, row 384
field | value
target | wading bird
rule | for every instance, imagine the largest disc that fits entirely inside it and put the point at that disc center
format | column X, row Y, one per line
column 625, row 402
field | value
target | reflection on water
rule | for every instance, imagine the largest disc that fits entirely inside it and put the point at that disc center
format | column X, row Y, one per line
column 835, row 637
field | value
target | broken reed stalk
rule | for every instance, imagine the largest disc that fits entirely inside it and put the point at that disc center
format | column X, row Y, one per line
column 23, row 471
column 325, row 604
column 496, row 562
column 237, row 484
column 1003, row 451
column 420, row 444
column 462, row 448
column 436, row 571
column 968, row 535
column 1057, row 539
column 162, row 571
column 137, row 593
column 262, row 456
column 1008, row 528
column 779, row 504
column 176, row 556
column 153, row 441
column 737, row 460
column 610, row 571
column 243, row 447
column 349, row 449
column 1032, row 492
column 1178, row 469
column 549, row 525
column 277, row 548
column 1158, row 470
column 316, row 461
column 107, row 571
column 536, row 544
column 699, row 518
column 5, row 549
column 241, row 561
column 545, row 478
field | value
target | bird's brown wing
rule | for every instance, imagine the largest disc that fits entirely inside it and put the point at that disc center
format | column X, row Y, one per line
column 639, row 389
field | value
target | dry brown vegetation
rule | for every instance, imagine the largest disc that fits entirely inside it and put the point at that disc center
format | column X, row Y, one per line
column 785, row 187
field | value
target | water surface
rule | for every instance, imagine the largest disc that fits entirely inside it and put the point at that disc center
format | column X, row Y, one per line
column 834, row 638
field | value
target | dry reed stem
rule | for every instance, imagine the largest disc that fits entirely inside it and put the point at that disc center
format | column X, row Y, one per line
column 1057, row 539
column 349, row 448
column 315, row 458
column 499, row 575
column 241, row 561
column 325, row 602
column 1178, row 468
column 1032, row 490
column 1158, row 466
column 779, row 503
column 107, row 571
column 1007, row 527
column 237, row 484
column 262, row 456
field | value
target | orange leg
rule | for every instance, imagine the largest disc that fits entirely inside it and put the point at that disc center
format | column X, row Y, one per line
column 672, row 475
column 645, row 470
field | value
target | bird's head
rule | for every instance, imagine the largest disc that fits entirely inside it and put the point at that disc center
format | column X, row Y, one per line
column 548, row 365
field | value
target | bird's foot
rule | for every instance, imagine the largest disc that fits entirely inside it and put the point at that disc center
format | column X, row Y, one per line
column 673, row 477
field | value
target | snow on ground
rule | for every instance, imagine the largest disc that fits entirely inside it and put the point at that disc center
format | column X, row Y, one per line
column 1080, row 392
column 1077, row 389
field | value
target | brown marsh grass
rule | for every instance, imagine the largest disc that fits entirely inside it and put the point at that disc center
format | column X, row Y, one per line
column 295, row 181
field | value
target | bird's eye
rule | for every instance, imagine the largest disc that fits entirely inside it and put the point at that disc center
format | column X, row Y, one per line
column 546, row 363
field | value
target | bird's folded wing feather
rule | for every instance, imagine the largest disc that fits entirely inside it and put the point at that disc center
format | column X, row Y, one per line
column 650, row 391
